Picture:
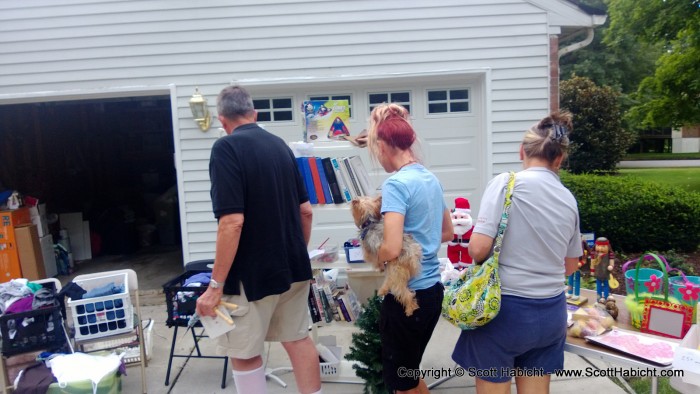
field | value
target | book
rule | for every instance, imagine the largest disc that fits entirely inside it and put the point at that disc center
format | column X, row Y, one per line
column 319, row 303
column 331, row 301
column 324, row 181
column 342, row 184
column 326, row 120
column 341, row 298
column 362, row 175
column 355, row 305
column 303, row 164
column 351, row 175
column 316, row 177
column 313, row 307
column 333, row 184
column 327, row 311
column 336, row 294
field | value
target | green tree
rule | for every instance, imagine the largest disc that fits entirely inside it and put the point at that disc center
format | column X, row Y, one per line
column 671, row 95
column 622, row 66
column 598, row 141
column 366, row 348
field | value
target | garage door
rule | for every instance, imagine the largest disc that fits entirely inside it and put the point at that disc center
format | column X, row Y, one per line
column 447, row 113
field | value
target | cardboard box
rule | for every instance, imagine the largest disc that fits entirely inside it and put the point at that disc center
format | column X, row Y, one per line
column 31, row 259
column 687, row 358
column 49, row 256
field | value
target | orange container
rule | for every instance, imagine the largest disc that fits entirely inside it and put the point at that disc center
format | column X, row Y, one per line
column 9, row 255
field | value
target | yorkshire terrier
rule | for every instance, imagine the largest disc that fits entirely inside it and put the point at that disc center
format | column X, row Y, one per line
column 368, row 218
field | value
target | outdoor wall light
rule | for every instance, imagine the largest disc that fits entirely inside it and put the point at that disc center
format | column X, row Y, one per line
column 200, row 110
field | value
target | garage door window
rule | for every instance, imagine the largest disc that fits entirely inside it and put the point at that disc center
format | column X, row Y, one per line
column 335, row 97
column 448, row 101
column 277, row 109
column 403, row 98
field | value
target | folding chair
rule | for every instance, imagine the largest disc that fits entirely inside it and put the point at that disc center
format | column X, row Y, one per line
column 133, row 287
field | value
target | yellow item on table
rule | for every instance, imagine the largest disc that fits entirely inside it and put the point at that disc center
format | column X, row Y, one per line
column 613, row 283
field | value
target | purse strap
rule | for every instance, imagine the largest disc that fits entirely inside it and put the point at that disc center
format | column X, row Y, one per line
column 504, row 217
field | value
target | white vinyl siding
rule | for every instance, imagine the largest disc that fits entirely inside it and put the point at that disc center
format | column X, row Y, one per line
column 49, row 46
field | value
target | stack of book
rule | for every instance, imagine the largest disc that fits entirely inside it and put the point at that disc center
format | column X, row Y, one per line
column 329, row 303
column 334, row 180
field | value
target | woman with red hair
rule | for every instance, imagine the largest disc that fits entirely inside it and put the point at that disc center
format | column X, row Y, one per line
column 412, row 203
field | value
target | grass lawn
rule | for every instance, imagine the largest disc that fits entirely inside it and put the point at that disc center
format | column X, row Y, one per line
column 663, row 156
column 687, row 178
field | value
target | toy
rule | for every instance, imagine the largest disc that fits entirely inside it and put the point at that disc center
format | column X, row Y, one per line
column 611, row 307
column 602, row 263
column 366, row 214
column 337, row 129
column 458, row 249
column 573, row 293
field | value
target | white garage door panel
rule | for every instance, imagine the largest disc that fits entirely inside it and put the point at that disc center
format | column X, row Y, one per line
column 460, row 180
column 457, row 152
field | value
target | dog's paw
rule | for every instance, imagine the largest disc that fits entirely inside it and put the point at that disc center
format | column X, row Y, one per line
column 411, row 307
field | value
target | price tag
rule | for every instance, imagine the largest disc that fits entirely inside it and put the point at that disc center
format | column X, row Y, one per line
column 688, row 360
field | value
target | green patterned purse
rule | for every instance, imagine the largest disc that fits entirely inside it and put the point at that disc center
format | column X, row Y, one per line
column 474, row 299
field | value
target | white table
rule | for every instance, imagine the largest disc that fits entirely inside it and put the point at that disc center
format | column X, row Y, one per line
column 582, row 348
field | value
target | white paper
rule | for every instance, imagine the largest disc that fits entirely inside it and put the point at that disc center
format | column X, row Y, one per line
column 216, row 326
column 355, row 254
column 689, row 361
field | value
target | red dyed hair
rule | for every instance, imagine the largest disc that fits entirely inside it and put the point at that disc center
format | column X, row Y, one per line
column 391, row 124
column 396, row 132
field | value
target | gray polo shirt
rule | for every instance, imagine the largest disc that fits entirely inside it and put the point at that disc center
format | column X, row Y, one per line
column 543, row 229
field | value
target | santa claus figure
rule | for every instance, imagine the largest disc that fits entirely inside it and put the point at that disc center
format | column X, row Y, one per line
column 458, row 249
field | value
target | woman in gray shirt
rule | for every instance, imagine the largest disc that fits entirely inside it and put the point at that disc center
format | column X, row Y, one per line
column 541, row 245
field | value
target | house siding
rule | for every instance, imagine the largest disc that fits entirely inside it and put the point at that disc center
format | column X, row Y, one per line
column 84, row 45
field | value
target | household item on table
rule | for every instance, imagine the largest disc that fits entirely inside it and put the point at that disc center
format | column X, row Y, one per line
column 590, row 321
column 687, row 290
column 652, row 349
column 646, row 275
column 635, row 301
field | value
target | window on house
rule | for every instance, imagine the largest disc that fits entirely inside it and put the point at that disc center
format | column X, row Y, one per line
column 334, row 97
column 448, row 100
column 403, row 98
column 278, row 109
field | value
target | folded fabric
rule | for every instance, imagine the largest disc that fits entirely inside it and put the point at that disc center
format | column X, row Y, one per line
column 22, row 305
column 44, row 298
column 203, row 278
column 12, row 291
column 105, row 290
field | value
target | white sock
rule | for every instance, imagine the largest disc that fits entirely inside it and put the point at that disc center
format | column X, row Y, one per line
column 320, row 391
column 252, row 382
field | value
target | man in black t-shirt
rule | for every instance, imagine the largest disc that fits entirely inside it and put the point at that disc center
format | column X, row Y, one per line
column 261, row 262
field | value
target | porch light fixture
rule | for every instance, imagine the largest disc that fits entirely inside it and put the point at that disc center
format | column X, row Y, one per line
column 200, row 110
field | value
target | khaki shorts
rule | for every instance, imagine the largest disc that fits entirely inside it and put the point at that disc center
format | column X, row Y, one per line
column 275, row 318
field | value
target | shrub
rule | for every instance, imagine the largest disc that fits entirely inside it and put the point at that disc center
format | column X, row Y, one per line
column 598, row 141
column 635, row 215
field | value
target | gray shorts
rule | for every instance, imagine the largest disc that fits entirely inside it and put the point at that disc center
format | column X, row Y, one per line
column 275, row 318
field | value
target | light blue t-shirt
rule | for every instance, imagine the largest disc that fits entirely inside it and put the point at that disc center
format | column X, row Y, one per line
column 416, row 193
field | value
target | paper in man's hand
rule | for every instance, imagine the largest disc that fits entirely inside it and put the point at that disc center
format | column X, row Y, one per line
column 216, row 326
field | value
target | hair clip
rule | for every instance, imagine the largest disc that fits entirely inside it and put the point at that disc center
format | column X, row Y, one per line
column 560, row 131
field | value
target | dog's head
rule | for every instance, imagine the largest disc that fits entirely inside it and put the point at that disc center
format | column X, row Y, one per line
column 363, row 208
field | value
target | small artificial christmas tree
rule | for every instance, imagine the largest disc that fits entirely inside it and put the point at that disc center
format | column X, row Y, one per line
column 366, row 348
